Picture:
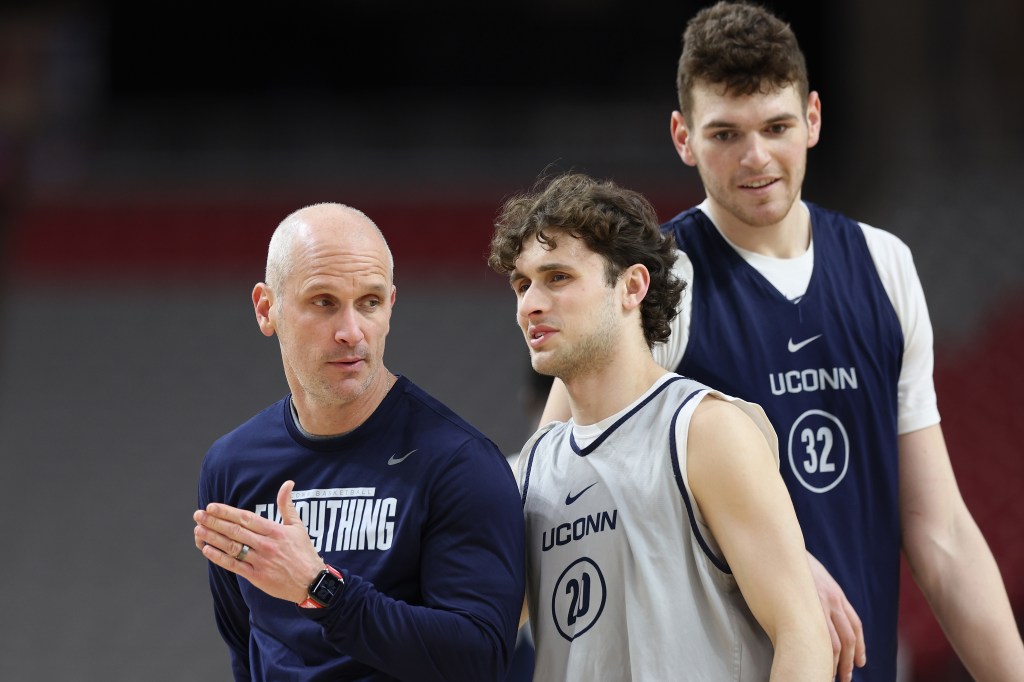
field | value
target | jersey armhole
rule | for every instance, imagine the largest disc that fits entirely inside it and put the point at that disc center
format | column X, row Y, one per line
column 679, row 431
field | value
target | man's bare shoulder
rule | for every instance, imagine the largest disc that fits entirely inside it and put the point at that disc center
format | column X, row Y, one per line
column 720, row 430
column 714, row 412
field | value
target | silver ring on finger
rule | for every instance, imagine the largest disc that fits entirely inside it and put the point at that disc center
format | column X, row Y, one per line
column 243, row 553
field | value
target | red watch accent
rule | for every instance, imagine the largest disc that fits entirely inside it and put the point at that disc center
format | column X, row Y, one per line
column 310, row 603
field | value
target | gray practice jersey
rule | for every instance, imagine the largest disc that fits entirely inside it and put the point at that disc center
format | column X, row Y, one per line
column 625, row 581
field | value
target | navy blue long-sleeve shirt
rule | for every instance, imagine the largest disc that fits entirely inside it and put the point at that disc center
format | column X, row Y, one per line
column 421, row 514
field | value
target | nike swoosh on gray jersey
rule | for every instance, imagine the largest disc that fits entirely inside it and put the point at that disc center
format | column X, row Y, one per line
column 570, row 498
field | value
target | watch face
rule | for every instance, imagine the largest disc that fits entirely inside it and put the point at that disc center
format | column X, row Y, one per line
column 325, row 587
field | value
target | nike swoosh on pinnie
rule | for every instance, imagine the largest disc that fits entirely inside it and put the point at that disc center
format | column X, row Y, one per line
column 570, row 498
column 794, row 347
column 398, row 460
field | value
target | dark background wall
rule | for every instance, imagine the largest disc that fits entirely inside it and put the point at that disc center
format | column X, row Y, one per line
column 147, row 150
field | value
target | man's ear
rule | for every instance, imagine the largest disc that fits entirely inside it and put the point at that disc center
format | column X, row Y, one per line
column 637, row 281
column 813, row 119
column 681, row 139
column 262, row 303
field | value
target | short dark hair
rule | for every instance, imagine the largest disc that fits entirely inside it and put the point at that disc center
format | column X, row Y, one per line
column 742, row 47
column 616, row 223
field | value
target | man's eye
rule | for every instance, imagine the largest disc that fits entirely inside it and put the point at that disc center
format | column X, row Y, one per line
column 778, row 129
column 723, row 136
column 521, row 287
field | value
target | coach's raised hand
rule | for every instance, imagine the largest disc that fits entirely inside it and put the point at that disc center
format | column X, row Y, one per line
column 278, row 558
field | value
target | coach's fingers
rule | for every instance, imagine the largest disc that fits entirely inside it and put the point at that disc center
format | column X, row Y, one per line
column 200, row 543
column 206, row 537
column 237, row 524
column 227, row 536
column 228, row 561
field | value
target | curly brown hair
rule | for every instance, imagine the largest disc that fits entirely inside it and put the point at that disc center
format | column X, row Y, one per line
column 742, row 47
column 616, row 223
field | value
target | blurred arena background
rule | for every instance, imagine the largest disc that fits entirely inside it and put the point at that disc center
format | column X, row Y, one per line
column 147, row 151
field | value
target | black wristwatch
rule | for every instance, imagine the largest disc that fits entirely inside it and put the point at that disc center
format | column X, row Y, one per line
column 327, row 584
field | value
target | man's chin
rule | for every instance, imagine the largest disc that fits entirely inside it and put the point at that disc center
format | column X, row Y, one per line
column 544, row 364
column 341, row 393
column 767, row 214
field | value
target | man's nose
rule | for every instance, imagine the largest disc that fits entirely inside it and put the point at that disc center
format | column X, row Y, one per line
column 348, row 329
column 756, row 153
column 533, row 300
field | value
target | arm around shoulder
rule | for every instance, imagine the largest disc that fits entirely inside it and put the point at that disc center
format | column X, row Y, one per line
column 736, row 483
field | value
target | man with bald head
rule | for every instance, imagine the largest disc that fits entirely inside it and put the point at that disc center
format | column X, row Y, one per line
column 357, row 529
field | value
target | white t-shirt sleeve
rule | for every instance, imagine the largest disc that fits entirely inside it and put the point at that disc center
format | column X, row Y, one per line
column 670, row 353
column 918, row 406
